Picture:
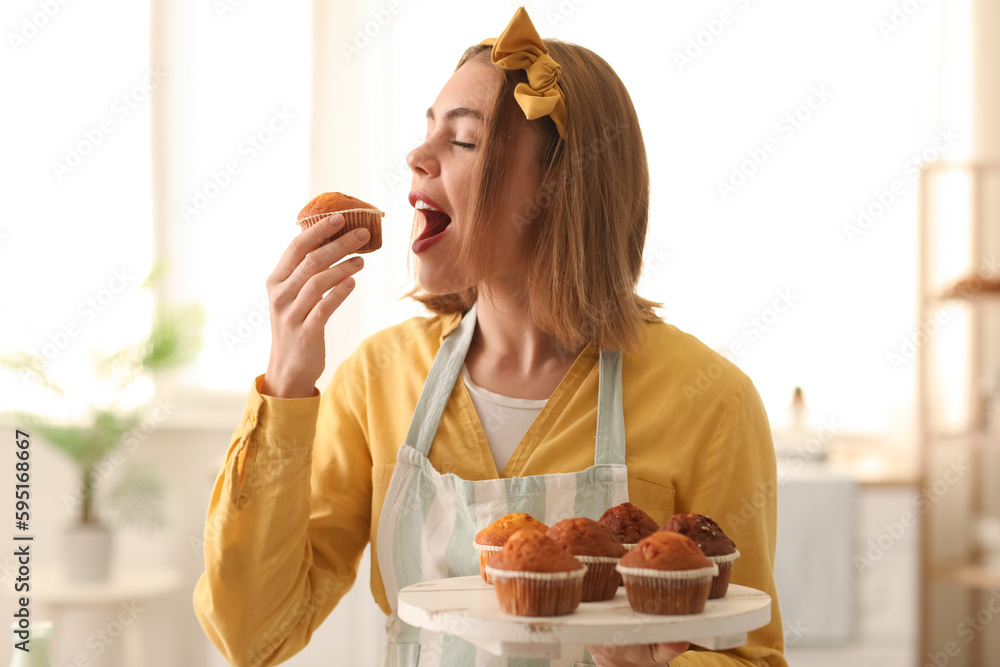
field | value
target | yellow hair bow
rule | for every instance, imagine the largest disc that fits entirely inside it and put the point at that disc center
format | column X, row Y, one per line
column 520, row 47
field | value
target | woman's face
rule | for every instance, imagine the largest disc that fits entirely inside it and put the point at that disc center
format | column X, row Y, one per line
column 442, row 166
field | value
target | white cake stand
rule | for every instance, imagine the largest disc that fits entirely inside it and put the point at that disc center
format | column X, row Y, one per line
column 468, row 608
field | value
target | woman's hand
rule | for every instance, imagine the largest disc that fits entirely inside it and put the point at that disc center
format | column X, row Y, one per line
column 299, row 309
column 636, row 655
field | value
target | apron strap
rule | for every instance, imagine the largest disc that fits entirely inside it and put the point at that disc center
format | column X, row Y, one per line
column 440, row 383
column 447, row 366
column 610, row 445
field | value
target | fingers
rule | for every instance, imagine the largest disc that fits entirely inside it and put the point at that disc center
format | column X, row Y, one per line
column 665, row 652
column 637, row 655
column 319, row 315
column 284, row 292
column 315, row 287
column 303, row 244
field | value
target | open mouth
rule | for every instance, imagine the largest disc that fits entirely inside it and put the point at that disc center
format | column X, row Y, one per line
column 435, row 221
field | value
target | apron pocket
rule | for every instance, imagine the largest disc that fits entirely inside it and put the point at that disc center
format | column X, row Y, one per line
column 654, row 499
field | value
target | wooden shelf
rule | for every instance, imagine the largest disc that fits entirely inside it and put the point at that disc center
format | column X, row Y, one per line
column 973, row 576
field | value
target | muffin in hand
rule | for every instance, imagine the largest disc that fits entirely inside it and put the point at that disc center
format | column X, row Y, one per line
column 357, row 215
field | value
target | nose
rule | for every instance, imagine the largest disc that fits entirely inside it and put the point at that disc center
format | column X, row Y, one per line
column 422, row 161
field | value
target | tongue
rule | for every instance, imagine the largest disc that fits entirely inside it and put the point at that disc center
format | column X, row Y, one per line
column 436, row 223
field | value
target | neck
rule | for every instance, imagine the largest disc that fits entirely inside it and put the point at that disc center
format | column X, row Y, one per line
column 510, row 354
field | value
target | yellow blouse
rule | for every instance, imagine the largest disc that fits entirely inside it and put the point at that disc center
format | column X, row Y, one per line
column 299, row 496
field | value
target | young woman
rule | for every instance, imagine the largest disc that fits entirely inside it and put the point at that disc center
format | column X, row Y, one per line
column 542, row 383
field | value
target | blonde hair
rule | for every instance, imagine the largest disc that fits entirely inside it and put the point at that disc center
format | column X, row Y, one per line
column 585, row 230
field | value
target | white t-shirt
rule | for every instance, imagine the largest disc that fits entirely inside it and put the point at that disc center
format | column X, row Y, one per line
column 505, row 420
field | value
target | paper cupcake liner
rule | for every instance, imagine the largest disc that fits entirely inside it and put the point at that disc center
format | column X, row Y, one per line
column 602, row 579
column 720, row 582
column 354, row 218
column 486, row 553
column 668, row 592
column 537, row 593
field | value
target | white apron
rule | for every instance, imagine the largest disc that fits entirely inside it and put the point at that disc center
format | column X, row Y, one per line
column 429, row 521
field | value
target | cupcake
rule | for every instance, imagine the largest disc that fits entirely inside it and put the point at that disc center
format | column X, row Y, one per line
column 533, row 575
column 491, row 539
column 713, row 543
column 595, row 546
column 628, row 523
column 357, row 215
column 666, row 573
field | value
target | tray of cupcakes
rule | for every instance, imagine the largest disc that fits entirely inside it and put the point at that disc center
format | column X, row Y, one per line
column 620, row 580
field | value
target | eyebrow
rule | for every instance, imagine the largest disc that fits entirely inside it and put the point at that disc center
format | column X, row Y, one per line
column 457, row 112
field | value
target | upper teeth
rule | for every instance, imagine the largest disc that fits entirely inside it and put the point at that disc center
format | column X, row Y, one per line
column 421, row 204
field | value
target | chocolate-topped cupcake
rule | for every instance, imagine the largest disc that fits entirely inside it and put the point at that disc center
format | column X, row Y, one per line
column 628, row 523
column 714, row 543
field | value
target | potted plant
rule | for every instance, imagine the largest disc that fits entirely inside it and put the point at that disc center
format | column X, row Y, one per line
column 99, row 443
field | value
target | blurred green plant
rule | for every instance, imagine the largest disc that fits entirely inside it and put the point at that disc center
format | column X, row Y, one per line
column 91, row 444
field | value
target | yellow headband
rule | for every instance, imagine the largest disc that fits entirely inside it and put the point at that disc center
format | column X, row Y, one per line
column 520, row 47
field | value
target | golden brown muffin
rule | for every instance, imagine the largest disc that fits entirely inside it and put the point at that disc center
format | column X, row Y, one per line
column 357, row 215
column 533, row 575
column 666, row 551
column 596, row 547
column 496, row 533
column 529, row 550
column 628, row 523
column 489, row 540
column 666, row 573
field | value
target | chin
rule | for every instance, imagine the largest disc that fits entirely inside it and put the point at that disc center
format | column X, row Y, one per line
column 433, row 280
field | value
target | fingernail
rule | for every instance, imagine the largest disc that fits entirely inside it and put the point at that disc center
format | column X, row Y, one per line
column 361, row 234
column 336, row 220
column 348, row 283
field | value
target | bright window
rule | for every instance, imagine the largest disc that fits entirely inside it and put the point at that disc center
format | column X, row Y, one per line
column 783, row 139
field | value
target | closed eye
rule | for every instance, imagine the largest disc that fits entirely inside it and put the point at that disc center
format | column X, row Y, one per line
column 462, row 144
